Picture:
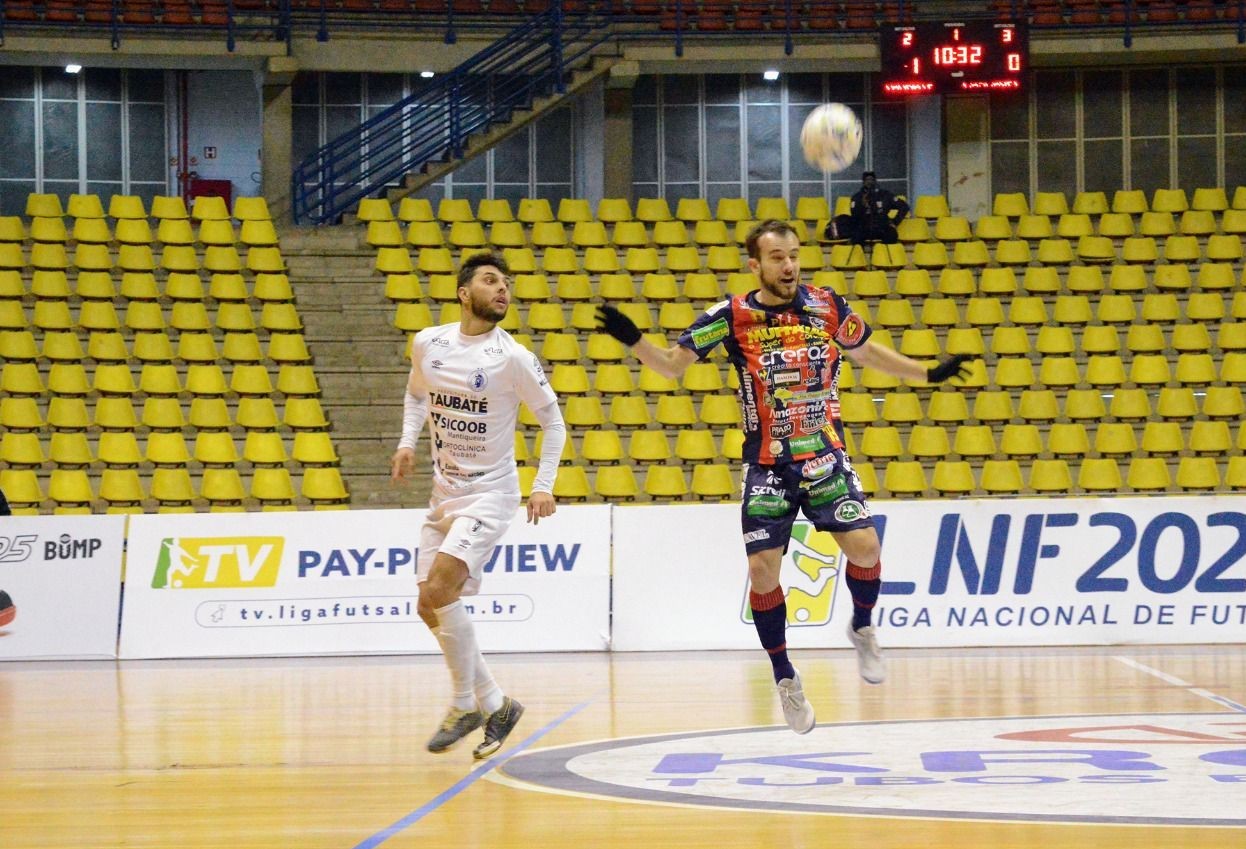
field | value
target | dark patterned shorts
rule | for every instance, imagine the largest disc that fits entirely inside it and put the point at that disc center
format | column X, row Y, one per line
column 825, row 489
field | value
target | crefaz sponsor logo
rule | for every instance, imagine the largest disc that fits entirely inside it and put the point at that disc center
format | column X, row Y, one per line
column 213, row 562
column 791, row 356
column 1179, row 769
column 16, row 549
column 68, row 548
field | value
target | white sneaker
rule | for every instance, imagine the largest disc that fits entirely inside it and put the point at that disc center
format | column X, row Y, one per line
column 869, row 655
column 796, row 709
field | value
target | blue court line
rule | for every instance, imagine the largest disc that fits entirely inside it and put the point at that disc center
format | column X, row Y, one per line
column 465, row 782
column 1229, row 703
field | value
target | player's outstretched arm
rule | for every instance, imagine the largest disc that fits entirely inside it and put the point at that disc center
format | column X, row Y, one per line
column 884, row 359
column 668, row 362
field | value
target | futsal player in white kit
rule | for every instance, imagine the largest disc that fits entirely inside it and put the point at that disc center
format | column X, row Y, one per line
column 467, row 380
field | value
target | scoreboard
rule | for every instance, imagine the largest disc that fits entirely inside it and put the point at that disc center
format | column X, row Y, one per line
column 951, row 57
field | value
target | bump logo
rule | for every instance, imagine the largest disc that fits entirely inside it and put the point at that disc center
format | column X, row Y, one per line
column 809, row 570
column 189, row 563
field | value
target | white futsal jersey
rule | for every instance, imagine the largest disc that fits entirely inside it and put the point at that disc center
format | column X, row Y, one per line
column 474, row 385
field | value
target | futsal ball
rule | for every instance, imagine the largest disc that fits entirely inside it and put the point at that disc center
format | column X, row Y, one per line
column 831, row 137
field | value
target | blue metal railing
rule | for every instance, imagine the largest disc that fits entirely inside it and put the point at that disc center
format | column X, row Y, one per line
column 435, row 122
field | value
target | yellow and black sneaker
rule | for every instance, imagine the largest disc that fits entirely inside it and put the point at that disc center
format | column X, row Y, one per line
column 457, row 725
column 498, row 727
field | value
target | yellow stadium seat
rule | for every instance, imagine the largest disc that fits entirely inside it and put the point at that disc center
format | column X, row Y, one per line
column 1169, row 200
column 209, row 208
column 1055, row 252
column 665, row 483
column 616, row 483
column 1073, row 226
column 904, row 477
column 630, row 411
column 1034, row 227
column 648, row 446
column 931, row 207
column 1193, row 473
column 913, row 230
column 1050, row 203
column 1140, row 250
column 1068, row 439
column 601, row 446
column 1116, row 225
column 1129, row 202
column 1091, row 203
column 1224, row 247
column 970, row 254
column 1050, row 476
column 1182, row 249
column 1176, row 403
column 1099, row 475
column 1038, row 405
column 1010, row 205
column 994, row 406
column 1148, row 474
column 927, row 255
column 70, row 487
column 692, row 210
column 571, row 210
column 1001, row 476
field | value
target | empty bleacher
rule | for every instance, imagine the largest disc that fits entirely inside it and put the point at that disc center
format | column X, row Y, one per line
column 154, row 359
column 1112, row 332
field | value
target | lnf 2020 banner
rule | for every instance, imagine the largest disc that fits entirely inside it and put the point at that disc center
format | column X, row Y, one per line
column 955, row 573
column 61, row 579
column 345, row 583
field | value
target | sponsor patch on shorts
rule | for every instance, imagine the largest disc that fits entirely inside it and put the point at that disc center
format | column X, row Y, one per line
column 851, row 511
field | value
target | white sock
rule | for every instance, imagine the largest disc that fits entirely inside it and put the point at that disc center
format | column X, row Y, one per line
column 488, row 694
column 457, row 638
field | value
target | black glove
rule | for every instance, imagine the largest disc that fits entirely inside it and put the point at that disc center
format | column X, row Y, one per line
column 618, row 325
column 953, row 366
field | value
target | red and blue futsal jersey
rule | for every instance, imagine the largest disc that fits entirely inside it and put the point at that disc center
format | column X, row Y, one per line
column 787, row 359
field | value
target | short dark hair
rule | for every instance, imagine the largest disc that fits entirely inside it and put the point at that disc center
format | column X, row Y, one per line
column 761, row 228
column 468, row 269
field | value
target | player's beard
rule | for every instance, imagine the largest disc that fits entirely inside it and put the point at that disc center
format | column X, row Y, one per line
column 485, row 309
column 776, row 288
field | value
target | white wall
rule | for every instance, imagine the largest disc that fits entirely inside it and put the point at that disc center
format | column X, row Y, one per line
column 226, row 113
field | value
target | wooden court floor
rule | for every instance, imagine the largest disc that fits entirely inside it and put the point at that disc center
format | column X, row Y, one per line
column 327, row 753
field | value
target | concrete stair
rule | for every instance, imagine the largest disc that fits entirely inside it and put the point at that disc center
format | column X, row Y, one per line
column 359, row 359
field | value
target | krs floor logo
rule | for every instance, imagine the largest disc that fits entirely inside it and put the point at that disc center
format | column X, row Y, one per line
column 1159, row 769
column 810, row 568
column 188, row 563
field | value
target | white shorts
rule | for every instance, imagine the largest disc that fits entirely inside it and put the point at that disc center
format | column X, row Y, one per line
column 466, row 527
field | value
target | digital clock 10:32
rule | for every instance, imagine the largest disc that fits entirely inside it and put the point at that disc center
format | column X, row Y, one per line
column 965, row 56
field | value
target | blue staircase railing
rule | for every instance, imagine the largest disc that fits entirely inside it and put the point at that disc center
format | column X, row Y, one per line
column 434, row 123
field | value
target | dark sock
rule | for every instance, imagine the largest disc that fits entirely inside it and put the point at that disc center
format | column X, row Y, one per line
column 864, row 585
column 770, row 620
